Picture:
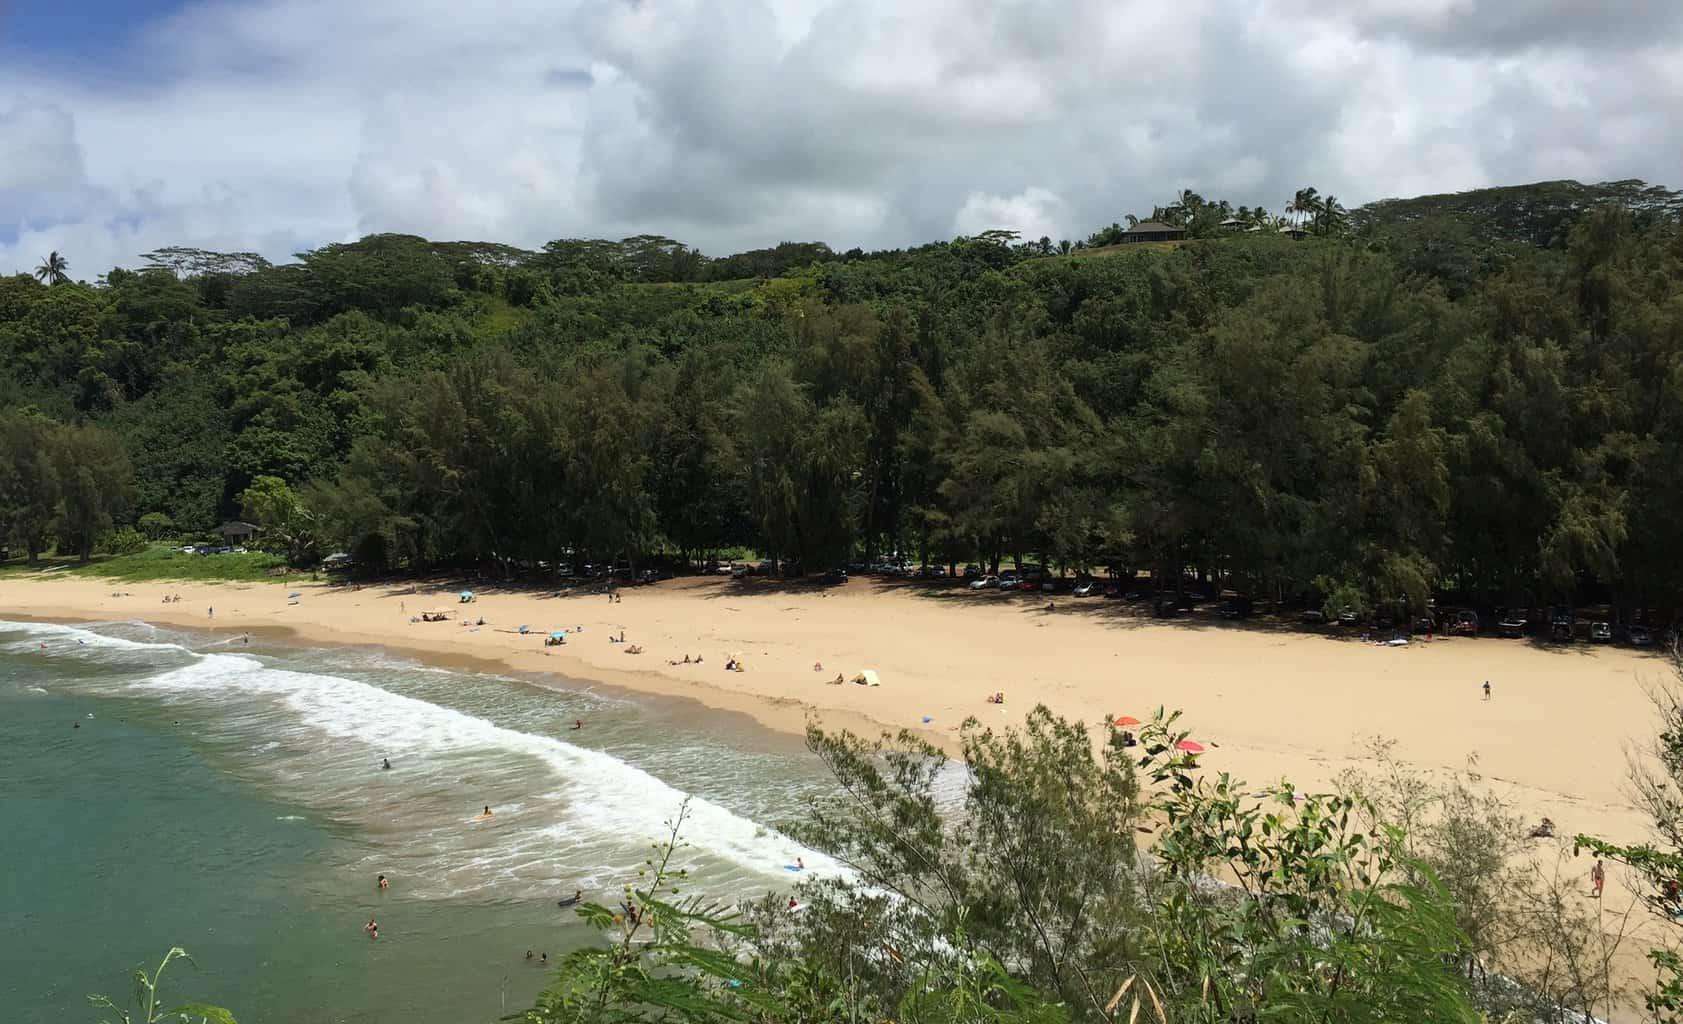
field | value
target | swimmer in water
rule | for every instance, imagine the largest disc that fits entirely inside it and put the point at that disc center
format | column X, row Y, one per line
column 385, row 764
column 372, row 928
column 544, row 959
column 578, row 723
column 487, row 812
column 382, row 883
column 800, row 864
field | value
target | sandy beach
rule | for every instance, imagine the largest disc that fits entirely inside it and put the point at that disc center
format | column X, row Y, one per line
column 1272, row 703
column 1269, row 702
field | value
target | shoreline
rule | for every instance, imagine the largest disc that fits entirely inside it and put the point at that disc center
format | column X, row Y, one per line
column 1270, row 703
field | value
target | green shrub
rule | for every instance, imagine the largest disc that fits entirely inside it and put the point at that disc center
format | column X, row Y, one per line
column 126, row 541
column 156, row 525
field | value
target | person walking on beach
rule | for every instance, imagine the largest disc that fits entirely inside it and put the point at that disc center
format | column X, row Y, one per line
column 210, row 612
column 1598, row 878
column 1487, row 689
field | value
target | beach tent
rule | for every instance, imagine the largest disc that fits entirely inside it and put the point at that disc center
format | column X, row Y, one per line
column 524, row 629
column 558, row 634
column 467, row 595
column 867, row 677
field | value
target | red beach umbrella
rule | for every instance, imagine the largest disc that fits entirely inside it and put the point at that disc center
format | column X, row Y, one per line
column 1190, row 747
column 1127, row 720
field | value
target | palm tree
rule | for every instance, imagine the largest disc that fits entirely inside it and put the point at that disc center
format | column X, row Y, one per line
column 1331, row 217
column 1307, row 201
column 1261, row 218
column 52, row 269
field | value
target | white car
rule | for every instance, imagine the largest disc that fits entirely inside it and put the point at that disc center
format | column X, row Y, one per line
column 985, row 583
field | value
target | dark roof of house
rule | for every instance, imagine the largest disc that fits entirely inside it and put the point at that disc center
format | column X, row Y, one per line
column 1151, row 227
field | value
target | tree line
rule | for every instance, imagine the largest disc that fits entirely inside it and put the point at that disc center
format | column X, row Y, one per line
column 1365, row 418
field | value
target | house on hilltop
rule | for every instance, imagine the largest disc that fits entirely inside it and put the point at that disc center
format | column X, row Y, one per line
column 1153, row 231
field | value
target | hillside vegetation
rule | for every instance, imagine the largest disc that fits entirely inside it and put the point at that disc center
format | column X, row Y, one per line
column 1405, row 404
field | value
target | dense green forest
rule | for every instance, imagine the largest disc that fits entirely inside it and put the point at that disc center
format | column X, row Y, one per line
column 1476, row 395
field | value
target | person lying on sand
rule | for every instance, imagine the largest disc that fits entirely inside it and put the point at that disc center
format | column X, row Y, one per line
column 838, row 680
column 1544, row 830
column 818, row 666
column 634, row 649
column 997, row 698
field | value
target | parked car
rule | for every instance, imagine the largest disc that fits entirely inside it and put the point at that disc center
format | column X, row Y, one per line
column 973, row 571
column 1465, row 623
column 930, row 572
column 1166, row 606
column 338, row 561
column 1425, row 625
column 989, row 582
column 1640, row 636
column 1348, row 617
column 836, row 576
column 1086, row 588
column 1010, row 581
column 1601, row 633
column 1560, row 625
column 1313, row 616
column 741, row 572
column 1513, row 623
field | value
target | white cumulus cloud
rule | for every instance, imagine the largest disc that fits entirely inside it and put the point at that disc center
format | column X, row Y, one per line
column 276, row 125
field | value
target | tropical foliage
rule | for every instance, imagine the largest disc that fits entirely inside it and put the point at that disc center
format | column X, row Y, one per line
column 1412, row 401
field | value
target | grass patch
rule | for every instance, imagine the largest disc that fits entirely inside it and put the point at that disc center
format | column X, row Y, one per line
column 157, row 562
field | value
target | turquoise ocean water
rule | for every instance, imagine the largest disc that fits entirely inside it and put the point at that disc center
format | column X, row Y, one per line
column 163, row 788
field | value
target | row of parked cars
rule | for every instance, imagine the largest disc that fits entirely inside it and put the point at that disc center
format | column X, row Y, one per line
column 1561, row 625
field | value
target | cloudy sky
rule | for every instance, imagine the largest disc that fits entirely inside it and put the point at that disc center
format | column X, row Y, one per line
column 275, row 125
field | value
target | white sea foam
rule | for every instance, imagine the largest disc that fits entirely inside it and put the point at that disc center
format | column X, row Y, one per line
column 56, row 634
column 565, row 814
column 598, row 805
